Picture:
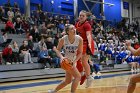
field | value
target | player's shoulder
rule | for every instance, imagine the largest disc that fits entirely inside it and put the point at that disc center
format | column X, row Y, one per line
column 87, row 23
column 65, row 36
column 79, row 37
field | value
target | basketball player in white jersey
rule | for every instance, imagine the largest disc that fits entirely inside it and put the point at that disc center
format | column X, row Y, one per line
column 72, row 44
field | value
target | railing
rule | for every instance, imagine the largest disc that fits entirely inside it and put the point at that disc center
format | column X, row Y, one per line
column 10, row 7
column 55, row 13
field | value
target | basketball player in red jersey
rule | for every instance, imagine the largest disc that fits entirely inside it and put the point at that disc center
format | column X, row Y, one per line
column 84, row 29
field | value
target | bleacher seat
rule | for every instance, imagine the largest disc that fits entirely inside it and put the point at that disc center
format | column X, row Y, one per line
column 119, row 66
column 2, row 26
column 18, row 67
column 27, row 71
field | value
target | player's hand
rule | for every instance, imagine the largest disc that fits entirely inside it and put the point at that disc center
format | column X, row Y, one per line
column 89, row 45
column 73, row 63
column 54, row 48
column 128, row 43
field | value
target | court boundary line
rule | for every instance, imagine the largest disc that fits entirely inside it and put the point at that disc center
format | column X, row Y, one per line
column 10, row 87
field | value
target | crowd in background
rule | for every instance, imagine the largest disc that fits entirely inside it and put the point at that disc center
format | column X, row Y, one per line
column 43, row 31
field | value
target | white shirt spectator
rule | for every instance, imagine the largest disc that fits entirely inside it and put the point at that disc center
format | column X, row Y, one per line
column 10, row 14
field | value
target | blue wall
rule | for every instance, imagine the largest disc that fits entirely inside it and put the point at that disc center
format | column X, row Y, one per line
column 113, row 12
column 34, row 4
column 36, row 1
column 59, row 6
column 96, row 10
column 81, row 6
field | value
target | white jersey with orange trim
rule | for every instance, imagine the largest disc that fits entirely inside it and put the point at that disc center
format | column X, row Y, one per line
column 70, row 49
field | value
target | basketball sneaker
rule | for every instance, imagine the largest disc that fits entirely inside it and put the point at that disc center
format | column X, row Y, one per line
column 51, row 91
column 94, row 75
column 98, row 74
column 132, row 71
column 138, row 70
column 89, row 81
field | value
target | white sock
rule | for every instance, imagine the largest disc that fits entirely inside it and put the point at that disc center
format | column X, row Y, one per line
column 88, row 77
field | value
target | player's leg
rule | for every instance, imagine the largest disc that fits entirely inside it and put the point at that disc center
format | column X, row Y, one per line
column 86, row 67
column 132, row 84
column 77, row 76
column 68, row 79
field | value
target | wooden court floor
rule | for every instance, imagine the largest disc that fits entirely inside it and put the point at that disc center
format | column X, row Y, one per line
column 113, row 83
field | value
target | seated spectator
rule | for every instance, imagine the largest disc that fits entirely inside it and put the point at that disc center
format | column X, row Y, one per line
column 35, row 33
column 130, row 60
column 4, row 41
column 95, row 69
column 50, row 23
column 43, row 57
column 18, row 14
column 41, row 44
column 31, row 45
column 18, row 26
column 101, row 47
column 56, row 39
column 43, row 30
column 55, row 59
column 7, row 54
column 61, row 26
column 15, row 52
column 49, row 32
column 24, row 54
column 1, row 13
column 121, row 56
column 114, row 55
column 49, row 43
column 10, row 14
column 9, row 26
column 25, row 27
column 108, row 52
column 67, row 22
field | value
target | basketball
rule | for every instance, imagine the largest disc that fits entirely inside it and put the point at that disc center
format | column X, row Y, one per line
column 66, row 64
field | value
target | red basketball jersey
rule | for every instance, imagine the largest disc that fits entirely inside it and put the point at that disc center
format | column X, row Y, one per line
column 82, row 29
